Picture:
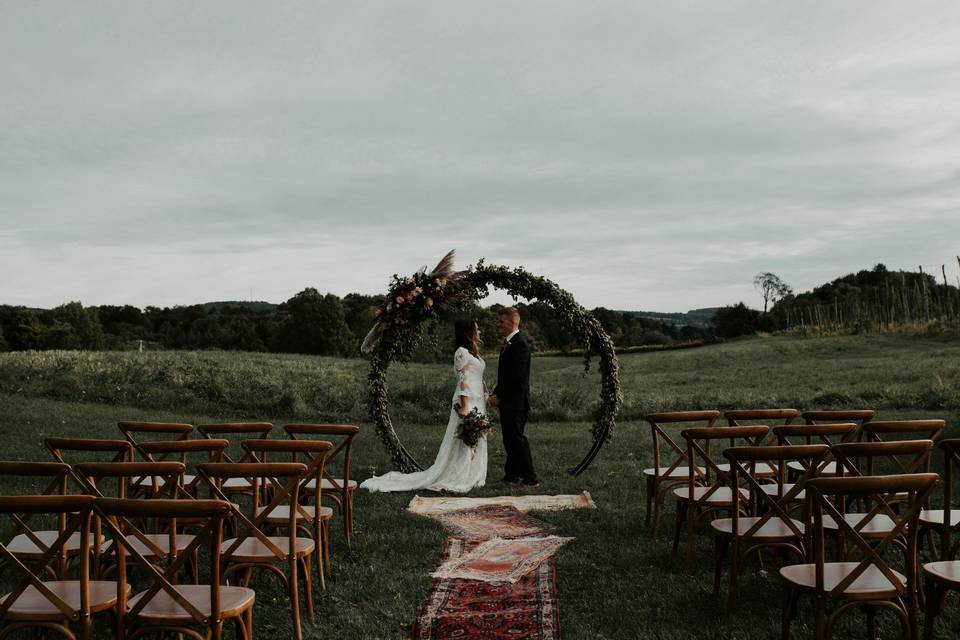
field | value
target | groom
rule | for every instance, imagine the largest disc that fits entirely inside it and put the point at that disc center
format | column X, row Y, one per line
column 512, row 396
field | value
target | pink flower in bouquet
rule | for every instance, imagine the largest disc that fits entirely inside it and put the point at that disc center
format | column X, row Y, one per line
column 399, row 300
column 428, row 303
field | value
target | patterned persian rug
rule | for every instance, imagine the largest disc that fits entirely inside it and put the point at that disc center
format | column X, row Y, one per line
column 429, row 506
column 523, row 610
column 498, row 561
column 491, row 521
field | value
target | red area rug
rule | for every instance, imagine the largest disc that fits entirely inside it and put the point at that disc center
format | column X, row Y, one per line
column 524, row 610
column 491, row 521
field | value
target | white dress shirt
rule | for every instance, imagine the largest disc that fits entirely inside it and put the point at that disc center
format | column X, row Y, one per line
column 512, row 333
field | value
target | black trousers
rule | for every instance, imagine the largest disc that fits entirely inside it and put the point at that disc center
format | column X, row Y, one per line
column 519, row 463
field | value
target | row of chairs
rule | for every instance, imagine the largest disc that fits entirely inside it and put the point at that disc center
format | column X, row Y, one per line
column 279, row 493
column 340, row 488
column 765, row 482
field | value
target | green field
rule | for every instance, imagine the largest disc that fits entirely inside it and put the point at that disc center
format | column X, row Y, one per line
column 614, row 580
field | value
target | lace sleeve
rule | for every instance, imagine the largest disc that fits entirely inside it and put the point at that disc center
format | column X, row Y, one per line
column 461, row 365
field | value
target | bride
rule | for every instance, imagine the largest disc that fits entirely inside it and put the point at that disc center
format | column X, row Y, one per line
column 458, row 467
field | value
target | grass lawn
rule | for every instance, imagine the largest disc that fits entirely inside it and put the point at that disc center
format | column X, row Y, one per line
column 615, row 581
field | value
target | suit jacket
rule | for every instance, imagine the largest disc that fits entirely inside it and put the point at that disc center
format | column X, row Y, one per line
column 513, row 375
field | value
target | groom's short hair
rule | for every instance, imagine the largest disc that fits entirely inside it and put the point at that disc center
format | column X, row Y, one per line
column 511, row 312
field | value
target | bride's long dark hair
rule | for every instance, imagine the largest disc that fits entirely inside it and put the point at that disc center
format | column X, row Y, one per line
column 463, row 331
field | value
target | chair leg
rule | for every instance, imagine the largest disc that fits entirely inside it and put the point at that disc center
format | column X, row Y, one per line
column 326, row 545
column 318, row 550
column 720, row 553
column 650, row 492
column 821, row 618
column 871, row 623
column 294, row 598
column 308, row 584
column 789, row 611
column 934, row 597
column 681, row 513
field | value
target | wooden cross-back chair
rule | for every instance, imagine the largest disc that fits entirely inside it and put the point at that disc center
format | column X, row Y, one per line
column 817, row 433
column 873, row 517
column 340, row 488
column 209, row 450
column 164, row 605
column 65, row 449
column 236, row 431
column 826, row 416
column 740, row 417
column 870, row 581
column 707, row 490
column 767, row 417
column 46, row 478
column 670, row 468
column 254, row 548
column 313, row 453
column 166, row 483
column 53, row 605
column 767, row 523
column 943, row 575
column 137, row 432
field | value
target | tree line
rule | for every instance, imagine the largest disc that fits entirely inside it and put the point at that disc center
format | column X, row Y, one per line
column 310, row 322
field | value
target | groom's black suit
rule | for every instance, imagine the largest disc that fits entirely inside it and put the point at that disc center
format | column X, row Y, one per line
column 513, row 393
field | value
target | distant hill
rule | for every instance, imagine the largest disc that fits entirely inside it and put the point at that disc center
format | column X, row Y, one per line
column 252, row 305
column 693, row 318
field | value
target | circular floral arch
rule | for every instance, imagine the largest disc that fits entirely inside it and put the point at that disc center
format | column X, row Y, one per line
column 421, row 297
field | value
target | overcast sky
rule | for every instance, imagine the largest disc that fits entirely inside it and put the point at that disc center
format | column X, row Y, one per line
column 643, row 155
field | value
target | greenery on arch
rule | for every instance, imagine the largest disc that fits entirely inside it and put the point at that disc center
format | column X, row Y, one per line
column 415, row 302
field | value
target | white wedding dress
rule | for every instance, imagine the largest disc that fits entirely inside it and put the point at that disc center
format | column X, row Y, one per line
column 458, row 468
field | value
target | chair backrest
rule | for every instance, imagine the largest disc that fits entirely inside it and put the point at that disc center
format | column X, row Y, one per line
column 904, row 456
column 210, row 513
column 166, row 478
column 826, row 434
column 825, row 498
column 215, row 473
column 836, row 416
column 951, row 472
column 743, row 467
column 675, row 453
column 134, row 432
column 705, row 470
column 74, row 511
column 887, row 430
column 45, row 478
column 740, row 417
column 61, row 448
column 180, row 450
column 313, row 453
column 341, row 435
column 238, row 431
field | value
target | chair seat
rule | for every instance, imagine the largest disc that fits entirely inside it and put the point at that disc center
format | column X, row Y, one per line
column 679, row 472
column 771, row 490
column 829, row 469
column 721, row 496
column 326, row 485
column 934, row 517
column 944, row 571
column 878, row 526
column 32, row 605
column 162, row 607
column 872, row 583
column 161, row 540
column 281, row 513
column 23, row 546
column 253, row 550
column 772, row 530
column 762, row 469
column 242, row 484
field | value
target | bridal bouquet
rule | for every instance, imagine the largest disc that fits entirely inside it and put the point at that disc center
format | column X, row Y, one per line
column 472, row 427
